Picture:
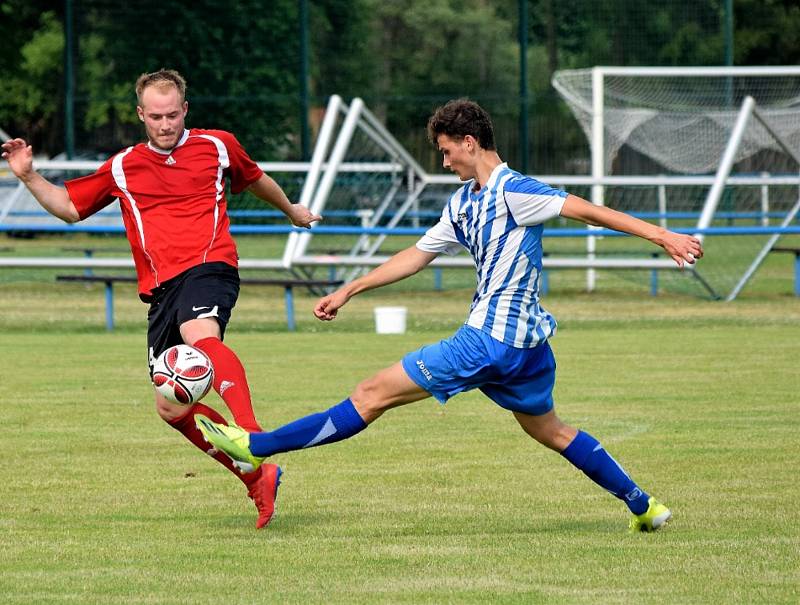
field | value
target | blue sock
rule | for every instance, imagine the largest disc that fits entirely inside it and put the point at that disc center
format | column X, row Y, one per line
column 586, row 453
column 339, row 422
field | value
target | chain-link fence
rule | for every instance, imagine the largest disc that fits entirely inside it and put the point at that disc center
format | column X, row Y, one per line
column 265, row 69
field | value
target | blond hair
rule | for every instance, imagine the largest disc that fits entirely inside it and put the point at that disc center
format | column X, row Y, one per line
column 161, row 79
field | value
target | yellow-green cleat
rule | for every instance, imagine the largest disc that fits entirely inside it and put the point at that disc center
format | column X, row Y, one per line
column 655, row 517
column 230, row 439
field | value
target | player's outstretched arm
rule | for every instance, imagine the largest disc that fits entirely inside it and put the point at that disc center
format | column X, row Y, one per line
column 267, row 189
column 682, row 248
column 403, row 264
column 55, row 200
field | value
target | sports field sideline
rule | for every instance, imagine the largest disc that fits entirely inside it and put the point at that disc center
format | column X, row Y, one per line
column 102, row 503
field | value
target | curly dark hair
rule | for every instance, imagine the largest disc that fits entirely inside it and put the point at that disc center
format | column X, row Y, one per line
column 459, row 118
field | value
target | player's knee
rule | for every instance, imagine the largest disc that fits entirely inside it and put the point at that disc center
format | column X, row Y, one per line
column 367, row 398
column 198, row 329
column 556, row 436
column 548, row 430
column 169, row 412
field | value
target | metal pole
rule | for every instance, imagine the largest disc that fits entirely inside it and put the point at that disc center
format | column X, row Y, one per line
column 725, row 165
column 763, row 253
column 523, row 86
column 334, row 161
column 305, row 134
column 312, row 176
column 728, row 35
column 728, row 32
column 662, row 205
column 598, row 163
column 69, row 83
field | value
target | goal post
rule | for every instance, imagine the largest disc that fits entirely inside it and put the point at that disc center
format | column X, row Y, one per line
column 677, row 121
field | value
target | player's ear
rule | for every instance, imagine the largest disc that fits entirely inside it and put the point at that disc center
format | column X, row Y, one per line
column 185, row 108
column 140, row 113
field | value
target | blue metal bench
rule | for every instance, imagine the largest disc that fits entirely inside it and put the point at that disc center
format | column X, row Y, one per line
column 287, row 284
column 796, row 252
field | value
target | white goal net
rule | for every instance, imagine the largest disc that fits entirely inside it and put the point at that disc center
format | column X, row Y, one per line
column 740, row 124
column 681, row 118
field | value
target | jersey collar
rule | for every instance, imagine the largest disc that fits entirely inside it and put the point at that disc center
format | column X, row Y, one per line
column 489, row 182
column 180, row 142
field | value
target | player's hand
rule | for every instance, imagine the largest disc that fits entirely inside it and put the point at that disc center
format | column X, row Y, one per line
column 684, row 249
column 300, row 216
column 328, row 306
column 19, row 156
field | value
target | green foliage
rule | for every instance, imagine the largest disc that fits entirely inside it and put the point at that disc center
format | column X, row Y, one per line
column 233, row 56
column 629, row 32
column 343, row 62
column 767, row 32
column 429, row 52
column 31, row 69
column 403, row 57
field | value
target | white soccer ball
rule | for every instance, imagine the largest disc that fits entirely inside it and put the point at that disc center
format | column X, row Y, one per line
column 183, row 374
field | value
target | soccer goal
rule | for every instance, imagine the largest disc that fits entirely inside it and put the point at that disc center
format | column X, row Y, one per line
column 721, row 142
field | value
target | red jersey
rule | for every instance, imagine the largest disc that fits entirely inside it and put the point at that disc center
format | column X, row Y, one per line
column 173, row 202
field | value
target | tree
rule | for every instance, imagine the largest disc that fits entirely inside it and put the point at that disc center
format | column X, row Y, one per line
column 30, row 66
column 403, row 57
column 239, row 59
column 432, row 51
column 343, row 62
column 767, row 32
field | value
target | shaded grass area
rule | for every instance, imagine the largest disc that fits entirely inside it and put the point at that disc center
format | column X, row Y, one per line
column 104, row 503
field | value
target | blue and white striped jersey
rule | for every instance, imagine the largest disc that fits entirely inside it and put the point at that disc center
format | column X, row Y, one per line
column 501, row 227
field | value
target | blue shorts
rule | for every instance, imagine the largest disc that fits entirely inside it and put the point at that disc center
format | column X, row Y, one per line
column 520, row 380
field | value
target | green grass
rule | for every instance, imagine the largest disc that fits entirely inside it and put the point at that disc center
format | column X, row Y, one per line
column 104, row 503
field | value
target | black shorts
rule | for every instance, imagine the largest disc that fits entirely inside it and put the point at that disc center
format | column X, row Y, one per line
column 207, row 290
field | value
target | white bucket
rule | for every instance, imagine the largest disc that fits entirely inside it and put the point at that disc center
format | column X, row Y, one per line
column 390, row 320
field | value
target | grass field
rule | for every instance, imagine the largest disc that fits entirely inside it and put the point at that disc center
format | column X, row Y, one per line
column 103, row 503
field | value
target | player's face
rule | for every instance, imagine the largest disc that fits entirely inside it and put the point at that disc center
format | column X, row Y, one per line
column 163, row 115
column 457, row 155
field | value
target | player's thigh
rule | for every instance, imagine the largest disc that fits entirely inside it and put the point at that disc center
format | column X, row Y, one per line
column 191, row 306
column 162, row 331
column 198, row 329
column 524, row 380
column 389, row 388
column 451, row 366
column 208, row 292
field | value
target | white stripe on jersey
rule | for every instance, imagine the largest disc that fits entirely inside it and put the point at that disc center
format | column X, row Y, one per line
column 224, row 162
column 498, row 226
column 118, row 172
column 490, row 284
column 501, row 227
column 504, row 305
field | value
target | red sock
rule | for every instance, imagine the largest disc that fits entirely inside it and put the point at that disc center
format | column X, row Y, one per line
column 230, row 382
column 187, row 427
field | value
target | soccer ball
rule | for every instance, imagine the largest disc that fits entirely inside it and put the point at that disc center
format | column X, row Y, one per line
column 183, row 374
